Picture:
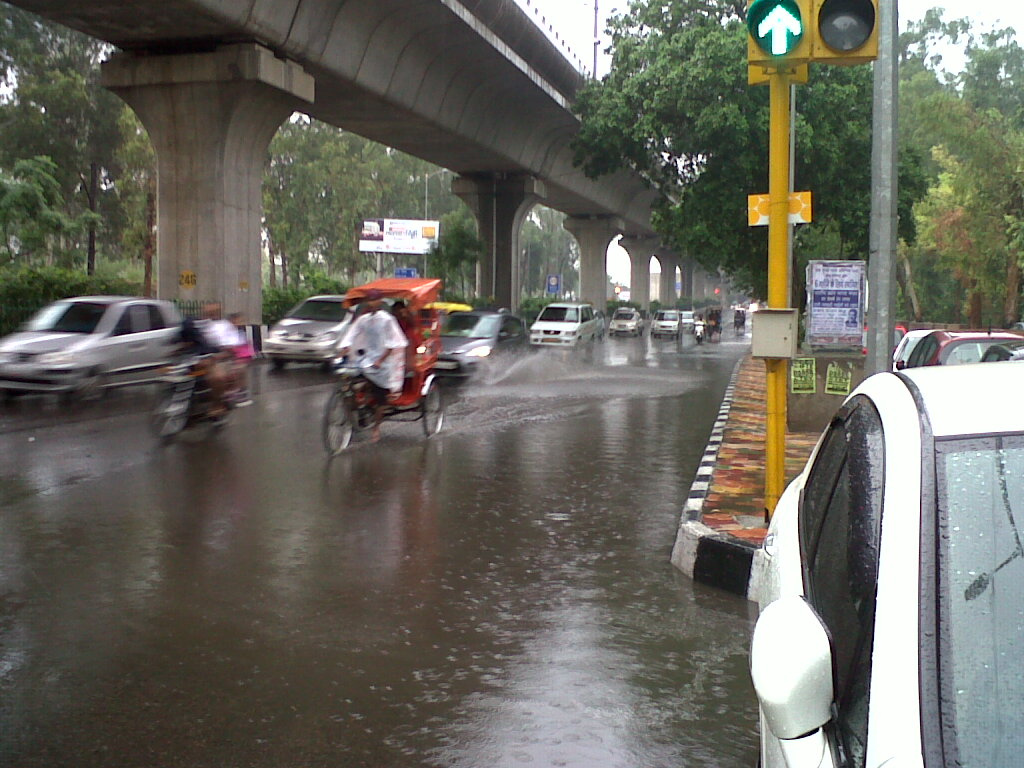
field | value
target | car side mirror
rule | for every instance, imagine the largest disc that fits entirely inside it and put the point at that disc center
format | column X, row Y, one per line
column 791, row 667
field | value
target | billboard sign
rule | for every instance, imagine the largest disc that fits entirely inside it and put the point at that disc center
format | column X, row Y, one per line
column 554, row 285
column 407, row 236
column 835, row 304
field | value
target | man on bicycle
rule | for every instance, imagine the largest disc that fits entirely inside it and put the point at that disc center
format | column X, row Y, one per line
column 379, row 345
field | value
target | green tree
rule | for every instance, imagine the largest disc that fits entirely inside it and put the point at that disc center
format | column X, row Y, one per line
column 677, row 109
column 57, row 108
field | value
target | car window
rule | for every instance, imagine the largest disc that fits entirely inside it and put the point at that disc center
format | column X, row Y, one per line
column 123, row 327
column 512, row 327
column 469, row 326
column 966, row 352
column 156, row 317
column 551, row 314
column 139, row 314
column 841, row 510
column 587, row 314
column 623, row 314
column 923, row 352
column 319, row 309
column 980, row 506
column 68, row 317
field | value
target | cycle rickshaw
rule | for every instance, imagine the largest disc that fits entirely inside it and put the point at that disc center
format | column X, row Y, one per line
column 350, row 408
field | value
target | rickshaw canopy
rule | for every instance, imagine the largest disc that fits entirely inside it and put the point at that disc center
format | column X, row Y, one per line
column 414, row 291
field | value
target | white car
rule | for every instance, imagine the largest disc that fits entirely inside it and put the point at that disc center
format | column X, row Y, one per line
column 310, row 333
column 78, row 346
column 566, row 324
column 666, row 322
column 891, row 581
column 626, row 322
column 686, row 321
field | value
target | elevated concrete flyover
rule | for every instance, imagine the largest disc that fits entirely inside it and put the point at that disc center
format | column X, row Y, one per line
column 472, row 85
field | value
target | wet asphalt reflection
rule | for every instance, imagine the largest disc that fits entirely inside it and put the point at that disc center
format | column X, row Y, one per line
column 499, row 595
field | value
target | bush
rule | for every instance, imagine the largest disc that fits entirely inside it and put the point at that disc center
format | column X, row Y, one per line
column 26, row 290
column 531, row 307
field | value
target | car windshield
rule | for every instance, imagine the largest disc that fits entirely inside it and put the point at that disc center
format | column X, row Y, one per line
column 668, row 316
column 319, row 309
column 560, row 315
column 68, row 317
column 470, row 326
column 687, row 315
column 623, row 314
column 980, row 494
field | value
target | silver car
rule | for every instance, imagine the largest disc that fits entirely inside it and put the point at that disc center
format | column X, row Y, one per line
column 309, row 333
column 77, row 346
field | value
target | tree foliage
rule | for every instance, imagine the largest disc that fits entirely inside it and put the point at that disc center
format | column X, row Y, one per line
column 676, row 107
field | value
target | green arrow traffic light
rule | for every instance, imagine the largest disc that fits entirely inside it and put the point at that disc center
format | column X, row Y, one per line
column 775, row 25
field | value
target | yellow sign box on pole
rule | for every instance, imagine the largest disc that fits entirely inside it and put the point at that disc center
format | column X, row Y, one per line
column 758, row 209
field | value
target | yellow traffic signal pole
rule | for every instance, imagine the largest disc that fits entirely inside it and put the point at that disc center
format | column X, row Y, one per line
column 778, row 282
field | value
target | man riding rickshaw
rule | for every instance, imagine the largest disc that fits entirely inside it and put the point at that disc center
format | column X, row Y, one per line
column 387, row 371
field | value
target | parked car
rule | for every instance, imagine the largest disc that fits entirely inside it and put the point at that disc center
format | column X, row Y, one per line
column 78, row 346
column 905, row 347
column 626, row 322
column 666, row 322
column 566, row 324
column 1006, row 350
column 891, row 581
column 955, row 347
column 309, row 333
column 470, row 340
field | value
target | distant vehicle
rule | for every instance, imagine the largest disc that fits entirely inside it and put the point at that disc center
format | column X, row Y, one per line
column 686, row 321
column 626, row 322
column 955, row 347
column 309, row 333
column 1006, row 350
column 471, row 340
column 79, row 346
column 566, row 324
column 905, row 347
column 666, row 322
column 891, row 581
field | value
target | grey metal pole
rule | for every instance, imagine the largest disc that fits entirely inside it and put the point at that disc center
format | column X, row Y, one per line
column 884, row 216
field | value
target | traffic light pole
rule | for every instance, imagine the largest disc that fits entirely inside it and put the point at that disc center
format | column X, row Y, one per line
column 778, row 282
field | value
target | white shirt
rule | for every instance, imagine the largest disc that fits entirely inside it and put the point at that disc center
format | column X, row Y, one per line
column 369, row 336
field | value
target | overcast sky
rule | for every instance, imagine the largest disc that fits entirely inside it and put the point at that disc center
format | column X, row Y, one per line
column 572, row 21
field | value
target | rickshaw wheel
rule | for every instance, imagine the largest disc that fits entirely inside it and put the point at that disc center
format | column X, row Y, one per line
column 338, row 423
column 433, row 411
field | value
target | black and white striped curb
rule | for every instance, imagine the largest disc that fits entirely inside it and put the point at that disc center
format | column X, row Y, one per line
column 703, row 554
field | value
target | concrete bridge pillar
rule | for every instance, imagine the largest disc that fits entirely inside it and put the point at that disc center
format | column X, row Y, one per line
column 640, row 250
column 593, row 235
column 210, row 117
column 499, row 203
column 667, row 285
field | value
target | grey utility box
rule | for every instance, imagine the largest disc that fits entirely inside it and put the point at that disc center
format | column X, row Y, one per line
column 774, row 334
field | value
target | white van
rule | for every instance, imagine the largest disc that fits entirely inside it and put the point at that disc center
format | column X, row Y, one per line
column 566, row 324
column 666, row 323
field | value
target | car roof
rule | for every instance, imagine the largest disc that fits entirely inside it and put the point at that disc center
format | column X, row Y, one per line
column 107, row 299
column 326, row 297
column 482, row 313
column 970, row 399
column 948, row 336
column 568, row 304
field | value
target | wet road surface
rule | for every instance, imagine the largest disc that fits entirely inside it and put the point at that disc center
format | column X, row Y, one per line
column 500, row 595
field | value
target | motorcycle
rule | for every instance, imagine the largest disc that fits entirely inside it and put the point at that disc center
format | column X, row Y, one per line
column 698, row 332
column 185, row 399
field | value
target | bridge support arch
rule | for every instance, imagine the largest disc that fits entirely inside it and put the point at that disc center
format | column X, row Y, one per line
column 500, row 203
column 667, row 284
column 593, row 233
column 640, row 250
column 210, row 117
